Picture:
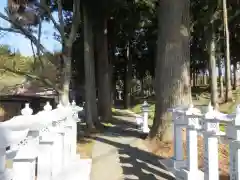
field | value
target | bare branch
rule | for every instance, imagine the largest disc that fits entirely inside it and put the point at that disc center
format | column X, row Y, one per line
column 75, row 22
column 60, row 16
column 34, row 56
column 39, row 42
column 25, row 32
column 56, row 25
column 11, row 30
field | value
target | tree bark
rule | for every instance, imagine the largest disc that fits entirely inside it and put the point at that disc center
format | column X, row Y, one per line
column 235, row 84
column 212, row 63
column 67, row 49
column 228, row 95
column 172, row 69
column 89, row 67
column 220, row 78
column 128, row 78
column 104, row 89
column 194, row 78
column 66, row 72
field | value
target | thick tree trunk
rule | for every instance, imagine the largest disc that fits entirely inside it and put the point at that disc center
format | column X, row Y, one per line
column 205, row 78
column 128, row 78
column 89, row 67
column 172, row 70
column 228, row 95
column 66, row 72
column 111, row 45
column 104, row 89
column 197, row 78
column 194, row 78
column 235, row 84
column 212, row 63
column 111, row 77
column 220, row 79
column 66, row 60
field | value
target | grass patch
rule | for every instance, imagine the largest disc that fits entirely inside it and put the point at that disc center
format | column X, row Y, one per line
column 203, row 99
column 222, row 127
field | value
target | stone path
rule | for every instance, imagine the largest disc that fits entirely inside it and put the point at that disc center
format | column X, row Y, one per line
column 118, row 155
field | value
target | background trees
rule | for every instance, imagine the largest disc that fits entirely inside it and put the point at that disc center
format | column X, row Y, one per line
column 153, row 48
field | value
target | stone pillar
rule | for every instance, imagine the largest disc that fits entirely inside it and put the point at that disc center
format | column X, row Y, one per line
column 178, row 123
column 178, row 143
column 73, row 140
column 24, row 162
column 45, row 156
column 5, row 174
column 58, row 148
column 46, row 141
column 233, row 132
column 191, row 171
column 2, row 160
column 67, row 143
column 210, row 134
column 211, row 169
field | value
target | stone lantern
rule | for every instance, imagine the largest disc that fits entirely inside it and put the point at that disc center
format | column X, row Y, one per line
column 145, row 111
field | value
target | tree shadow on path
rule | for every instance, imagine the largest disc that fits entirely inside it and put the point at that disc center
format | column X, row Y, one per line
column 135, row 163
column 138, row 164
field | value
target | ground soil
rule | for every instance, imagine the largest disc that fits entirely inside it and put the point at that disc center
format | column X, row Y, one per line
column 166, row 150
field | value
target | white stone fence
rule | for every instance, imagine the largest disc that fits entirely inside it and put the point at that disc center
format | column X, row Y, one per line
column 207, row 125
column 40, row 146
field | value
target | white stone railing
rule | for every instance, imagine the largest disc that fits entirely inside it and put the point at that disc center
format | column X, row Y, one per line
column 40, row 146
column 206, row 125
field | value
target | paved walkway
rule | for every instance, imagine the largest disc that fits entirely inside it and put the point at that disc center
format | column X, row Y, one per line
column 118, row 155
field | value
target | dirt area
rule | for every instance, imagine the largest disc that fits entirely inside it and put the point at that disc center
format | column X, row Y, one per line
column 84, row 147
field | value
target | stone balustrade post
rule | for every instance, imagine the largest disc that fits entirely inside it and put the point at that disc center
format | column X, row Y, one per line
column 191, row 170
column 233, row 132
column 75, row 119
column 69, row 128
column 24, row 163
column 4, row 173
column 178, row 122
column 45, row 164
column 178, row 140
column 210, row 134
column 2, row 160
column 58, row 146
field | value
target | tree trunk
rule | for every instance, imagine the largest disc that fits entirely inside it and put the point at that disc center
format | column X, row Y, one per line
column 235, row 75
column 194, row 78
column 212, row 63
column 228, row 95
column 66, row 72
column 104, row 89
column 172, row 69
column 205, row 78
column 220, row 78
column 89, row 67
column 111, row 45
column 197, row 78
column 128, row 78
